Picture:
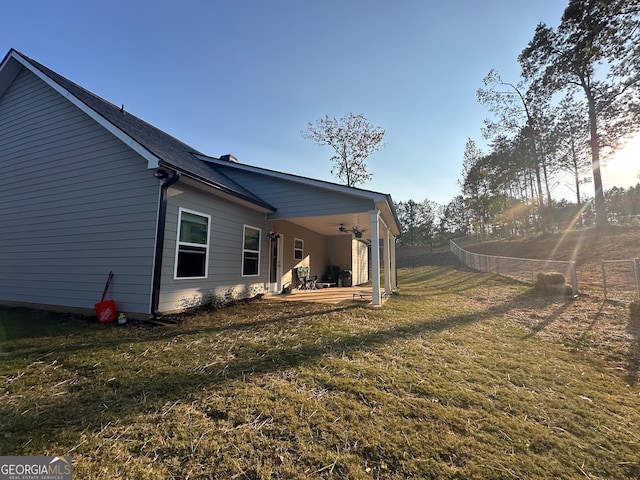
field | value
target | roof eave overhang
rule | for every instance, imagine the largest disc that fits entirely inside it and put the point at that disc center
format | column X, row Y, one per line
column 387, row 210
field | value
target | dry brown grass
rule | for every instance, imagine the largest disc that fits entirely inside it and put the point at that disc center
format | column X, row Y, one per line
column 461, row 375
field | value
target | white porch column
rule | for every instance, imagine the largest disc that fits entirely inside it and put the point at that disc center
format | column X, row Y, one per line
column 388, row 277
column 376, row 299
column 392, row 261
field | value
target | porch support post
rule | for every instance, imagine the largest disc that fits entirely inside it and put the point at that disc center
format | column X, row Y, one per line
column 387, row 264
column 393, row 273
column 376, row 299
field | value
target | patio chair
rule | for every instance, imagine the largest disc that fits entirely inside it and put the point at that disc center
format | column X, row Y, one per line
column 305, row 280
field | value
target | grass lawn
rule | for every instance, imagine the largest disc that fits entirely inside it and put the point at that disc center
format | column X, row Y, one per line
column 461, row 375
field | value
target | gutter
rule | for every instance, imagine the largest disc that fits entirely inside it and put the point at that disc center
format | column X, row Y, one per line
column 159, row 250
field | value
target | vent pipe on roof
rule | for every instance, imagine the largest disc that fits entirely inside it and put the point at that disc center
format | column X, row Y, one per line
column 229, row 158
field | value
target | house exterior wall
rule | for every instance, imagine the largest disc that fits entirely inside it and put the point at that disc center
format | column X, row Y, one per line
column 75, row 203
column 225, row 250
column 314, row 252
column 360, row 256
column 339, row 248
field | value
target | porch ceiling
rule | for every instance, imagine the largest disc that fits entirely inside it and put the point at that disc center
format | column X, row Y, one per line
column 330, row 224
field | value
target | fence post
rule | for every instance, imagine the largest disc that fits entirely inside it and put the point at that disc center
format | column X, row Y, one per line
column 636, row 269
column 574, row 278
column 604, row 281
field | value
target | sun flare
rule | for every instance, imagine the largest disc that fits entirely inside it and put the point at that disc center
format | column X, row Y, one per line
column 623, row 169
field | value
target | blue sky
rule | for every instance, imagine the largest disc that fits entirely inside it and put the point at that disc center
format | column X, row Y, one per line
column 246, row 76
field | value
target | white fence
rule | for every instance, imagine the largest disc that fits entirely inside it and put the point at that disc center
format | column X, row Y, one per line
column 524, row 269
column 621, row 279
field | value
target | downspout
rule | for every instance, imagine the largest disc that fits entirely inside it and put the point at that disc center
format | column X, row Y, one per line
column 162, row 220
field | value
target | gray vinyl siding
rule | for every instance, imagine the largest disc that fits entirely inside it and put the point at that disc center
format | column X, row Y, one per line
column 295, row 199
column 75, row 203
column 225, row 250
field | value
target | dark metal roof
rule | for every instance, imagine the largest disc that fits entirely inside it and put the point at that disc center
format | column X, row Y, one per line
column 170, row 151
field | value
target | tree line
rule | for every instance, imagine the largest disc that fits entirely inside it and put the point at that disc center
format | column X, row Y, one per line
column 576, row 102
column 429, row 223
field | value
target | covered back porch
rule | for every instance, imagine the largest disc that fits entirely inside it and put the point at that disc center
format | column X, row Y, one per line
column 337, row 254
column 314, row 226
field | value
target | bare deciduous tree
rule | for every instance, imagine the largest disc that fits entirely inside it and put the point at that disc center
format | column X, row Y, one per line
column 353, row 139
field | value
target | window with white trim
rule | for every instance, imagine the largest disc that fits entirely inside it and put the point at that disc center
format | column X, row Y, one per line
column 298, row 249
column 192, row 249
column 251, row 251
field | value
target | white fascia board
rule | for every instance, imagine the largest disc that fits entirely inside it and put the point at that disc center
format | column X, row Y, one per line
column 388, row 217
column 334, row 187
column 152, row 160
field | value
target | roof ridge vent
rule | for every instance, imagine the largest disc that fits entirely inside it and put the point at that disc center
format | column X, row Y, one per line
column 229, row 158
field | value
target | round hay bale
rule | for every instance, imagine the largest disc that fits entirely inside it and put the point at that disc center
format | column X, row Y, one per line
column 553, row 283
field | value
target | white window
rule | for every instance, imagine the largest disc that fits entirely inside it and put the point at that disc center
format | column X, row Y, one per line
column 251, row 251
column 192, row 250
column 298, row 249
